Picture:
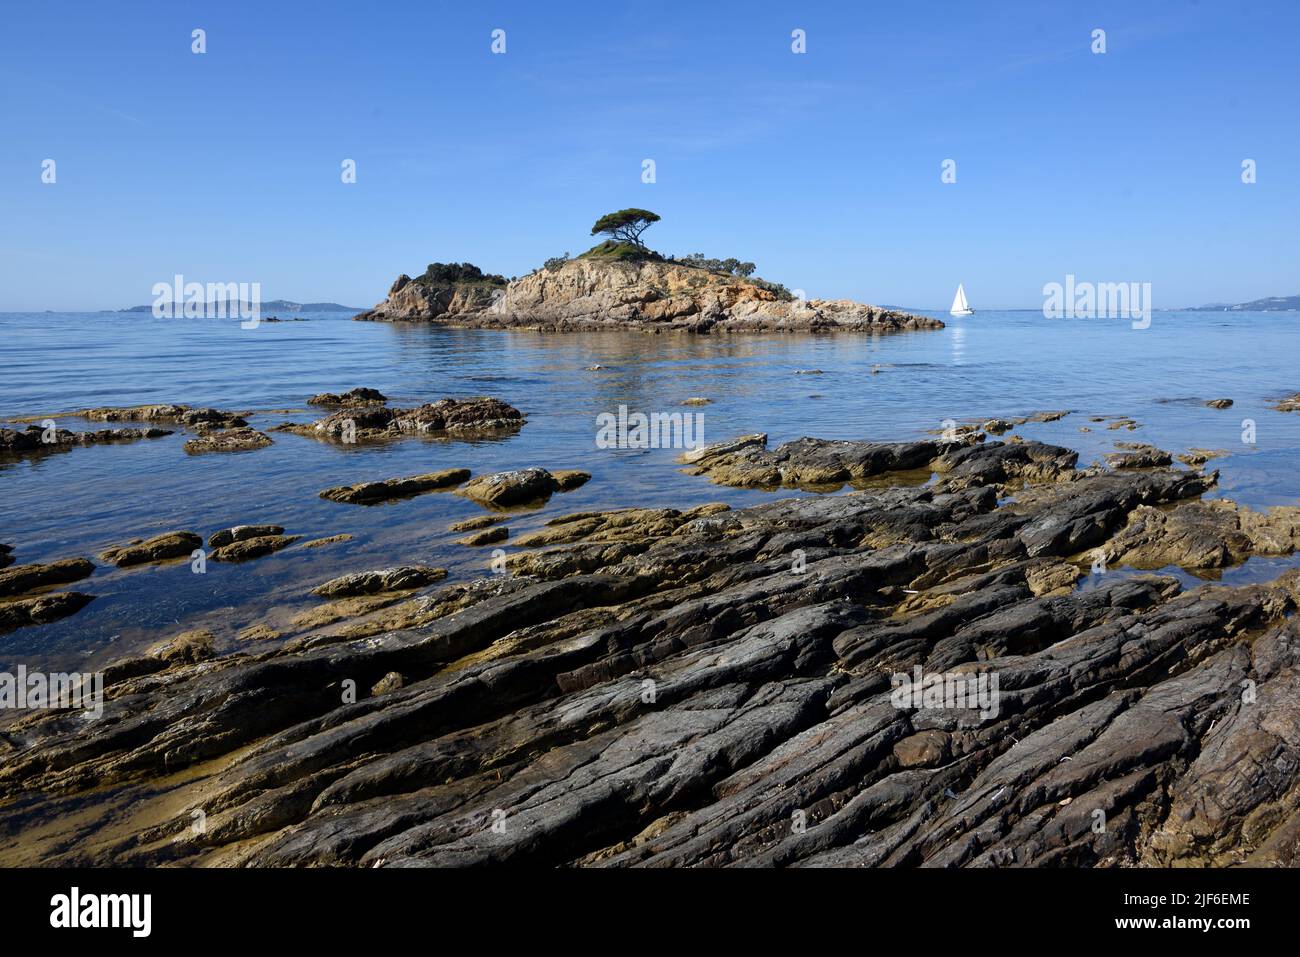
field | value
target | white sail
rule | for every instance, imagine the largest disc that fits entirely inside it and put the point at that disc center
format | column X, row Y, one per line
column 960, row 307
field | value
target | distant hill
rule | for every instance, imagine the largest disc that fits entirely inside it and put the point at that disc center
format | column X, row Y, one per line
column 1271, row 304
column 274, row 305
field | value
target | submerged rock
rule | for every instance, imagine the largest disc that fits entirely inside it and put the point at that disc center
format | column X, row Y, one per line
column 474, row 524
column 239, row 533
column 999, row 426
column 328, row 540
column 357, row 396
column 487, row 537
column 199, row 419
column 370, row 493
column 1198, row 457
column 446, row 417
column 521, row 486
column 1219, row 403
column 1138, row 455
column 245, row 549
column 566, row 480
column 36, row 439
column 7, row 555
column 156, row 549
column 228, row 440
column 41, row 610
column 259, row 632
column 25, row 578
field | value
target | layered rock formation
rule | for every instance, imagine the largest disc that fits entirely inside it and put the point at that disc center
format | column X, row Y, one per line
column 651, row 294
column 714, row 687
column 411, row 299
column 375, row 422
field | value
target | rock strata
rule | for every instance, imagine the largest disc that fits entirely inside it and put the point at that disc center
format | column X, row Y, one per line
column 372, row 493
column 674, row 688
column 358, row 396
column 246, row 549
column 521, row 486
column 25, row 578
column 41, row 609
column 586, row 294
column 197, row 419
column 1138, row 455
column 34, row 439
column 159, row 548
column 228, row 440
column 384, row 580
column 451, row 418
column 487, row 537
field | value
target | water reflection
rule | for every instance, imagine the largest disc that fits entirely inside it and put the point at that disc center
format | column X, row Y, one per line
column 833, row 386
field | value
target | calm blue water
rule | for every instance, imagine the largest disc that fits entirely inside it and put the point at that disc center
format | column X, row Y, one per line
column 994, row 364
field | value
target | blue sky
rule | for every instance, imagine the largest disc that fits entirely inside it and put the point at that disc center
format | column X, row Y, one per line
column 823, row 168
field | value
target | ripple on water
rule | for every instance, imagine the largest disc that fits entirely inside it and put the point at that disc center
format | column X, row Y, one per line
column 880, row 387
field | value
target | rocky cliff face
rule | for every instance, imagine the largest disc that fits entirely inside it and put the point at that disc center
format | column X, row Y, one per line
column 412, row 300
column 590, row 293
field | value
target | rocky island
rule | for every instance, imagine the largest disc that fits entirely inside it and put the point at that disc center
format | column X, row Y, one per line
column 620, row 283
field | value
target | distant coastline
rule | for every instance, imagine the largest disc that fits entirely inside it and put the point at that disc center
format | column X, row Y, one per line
column 276, row 305
column 1271, row 304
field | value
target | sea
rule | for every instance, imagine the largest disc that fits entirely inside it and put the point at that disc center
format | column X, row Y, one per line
column 844, row 386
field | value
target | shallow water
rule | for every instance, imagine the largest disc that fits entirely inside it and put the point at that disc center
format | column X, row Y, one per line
column 77, row 503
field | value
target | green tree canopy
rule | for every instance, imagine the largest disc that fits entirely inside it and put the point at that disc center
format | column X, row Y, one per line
column 626, row 225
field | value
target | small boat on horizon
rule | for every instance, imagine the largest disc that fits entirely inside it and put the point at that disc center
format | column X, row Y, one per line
column 960, row 307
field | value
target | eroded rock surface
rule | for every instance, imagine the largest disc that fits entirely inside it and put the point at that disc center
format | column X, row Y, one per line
column 358, row 396
column 384, row 580
column 824, row 464
column 521, row 486
column 1138, row 455
column 35, row 439
column 371, row 493
column 25, row 578
column 159, row 548
column 453, row 418
column 41, row 609
column 198, row 419
column 586, row 294
column 228, row 440
column 1197, row 535
column 716, row 687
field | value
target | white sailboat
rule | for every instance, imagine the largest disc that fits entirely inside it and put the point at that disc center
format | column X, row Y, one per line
column 960, row 307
